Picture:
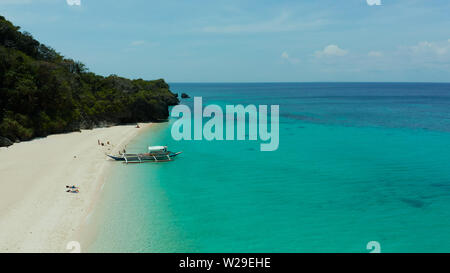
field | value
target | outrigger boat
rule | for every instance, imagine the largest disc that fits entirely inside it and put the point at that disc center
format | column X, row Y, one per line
column 155, row 154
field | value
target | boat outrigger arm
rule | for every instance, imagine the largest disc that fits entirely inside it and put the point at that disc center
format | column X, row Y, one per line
column 155, row 154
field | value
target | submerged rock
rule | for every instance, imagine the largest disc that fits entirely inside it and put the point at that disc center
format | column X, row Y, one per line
column 185, row 96
column 5, row 142
column 416, row 203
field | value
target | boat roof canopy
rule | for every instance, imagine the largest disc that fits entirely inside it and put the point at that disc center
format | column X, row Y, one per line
column 157, row 148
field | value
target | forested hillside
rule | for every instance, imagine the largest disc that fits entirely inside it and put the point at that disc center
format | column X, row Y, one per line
column 42, row 92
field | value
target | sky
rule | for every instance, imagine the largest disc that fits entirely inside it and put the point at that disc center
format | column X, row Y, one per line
column 246, row 41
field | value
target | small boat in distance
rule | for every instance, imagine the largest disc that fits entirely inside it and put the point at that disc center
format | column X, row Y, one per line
column 155, row 154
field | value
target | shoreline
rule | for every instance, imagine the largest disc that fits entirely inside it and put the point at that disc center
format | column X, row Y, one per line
column 36, row 212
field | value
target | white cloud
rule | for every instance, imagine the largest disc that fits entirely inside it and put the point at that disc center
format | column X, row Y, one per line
column 137, row 43
column 424, row 55
column 374, row 2
column 284, row 22
column 436, row 48
column 375, row 54
column 285, row 56
column 73, row 2
column 331, row 50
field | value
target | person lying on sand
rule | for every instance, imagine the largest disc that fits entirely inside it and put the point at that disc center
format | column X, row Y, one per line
column 71, row 187
column 73, row 191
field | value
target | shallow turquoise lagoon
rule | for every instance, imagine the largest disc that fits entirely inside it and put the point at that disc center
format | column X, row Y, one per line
column 356, row 163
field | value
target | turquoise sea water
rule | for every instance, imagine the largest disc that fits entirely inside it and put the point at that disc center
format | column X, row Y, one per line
column 357, row 162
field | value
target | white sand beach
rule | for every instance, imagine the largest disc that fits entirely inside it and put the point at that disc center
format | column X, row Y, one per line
column 36, row 212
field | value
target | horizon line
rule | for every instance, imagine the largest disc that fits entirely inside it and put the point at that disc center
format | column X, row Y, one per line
column 249, row 82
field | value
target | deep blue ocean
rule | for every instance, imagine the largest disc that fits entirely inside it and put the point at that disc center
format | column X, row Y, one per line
column 357, row 162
